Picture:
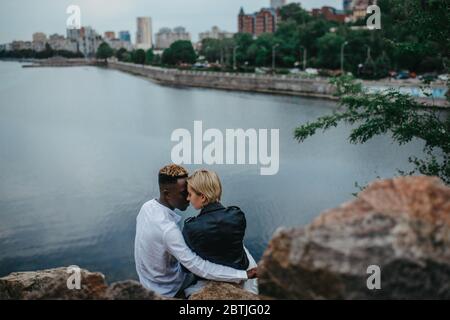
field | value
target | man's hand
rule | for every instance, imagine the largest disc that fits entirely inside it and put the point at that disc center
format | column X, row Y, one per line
column 252, row 273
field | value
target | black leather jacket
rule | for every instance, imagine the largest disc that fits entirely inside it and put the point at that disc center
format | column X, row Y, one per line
column 217, row 235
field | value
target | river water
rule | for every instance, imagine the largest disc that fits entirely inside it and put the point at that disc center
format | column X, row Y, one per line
column 80, row 149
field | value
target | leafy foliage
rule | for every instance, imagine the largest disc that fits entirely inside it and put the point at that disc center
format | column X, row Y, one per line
column 390, row 112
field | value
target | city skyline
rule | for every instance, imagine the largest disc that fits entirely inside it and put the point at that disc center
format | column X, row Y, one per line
column 115, row 15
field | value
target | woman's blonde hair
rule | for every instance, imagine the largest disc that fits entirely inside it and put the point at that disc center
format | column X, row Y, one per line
column 207, row 183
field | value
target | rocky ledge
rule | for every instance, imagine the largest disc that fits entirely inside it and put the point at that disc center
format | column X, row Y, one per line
column 391, row 242
column 52, row 284
column 395, row 230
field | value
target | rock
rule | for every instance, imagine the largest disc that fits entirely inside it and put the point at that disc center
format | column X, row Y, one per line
column 223, row 291
column 130, row 290
column 52, row 284
column 401, row 225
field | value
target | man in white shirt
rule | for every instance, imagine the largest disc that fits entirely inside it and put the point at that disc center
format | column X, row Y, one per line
column 160, row 248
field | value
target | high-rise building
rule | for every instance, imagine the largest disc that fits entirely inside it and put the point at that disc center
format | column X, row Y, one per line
column 359, row 8
column 87, row 40
column 347, row 5
column 264, row 21
column 215, row 33
column 39, row 41
column 246, row 22
column 39, row 37
column 144, row 33
column 110, row 35
column 165, row 37
column 125, row 36
column 58, row 42
column 276, row 4
column 331, row 14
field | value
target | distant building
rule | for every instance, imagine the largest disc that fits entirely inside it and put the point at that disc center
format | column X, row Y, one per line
column 39, row 41
column 119, row 44
column 39, row 37
column 359, row 8
column 5, row 47
column 276, row 4
column 331, row 14
column 125, row 36
column 58, row 42
column 347, row 5
column 144, row 33
column 246, row 22
column 110, row 35
column 86, row 39
column 21, row 45
column 215, row 33
column 166, row 36
column 264, row 21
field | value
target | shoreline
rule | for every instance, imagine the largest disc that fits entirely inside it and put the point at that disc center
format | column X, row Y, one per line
column 318, row 88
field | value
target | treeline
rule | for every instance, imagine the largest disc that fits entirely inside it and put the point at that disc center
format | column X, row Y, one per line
column 367, row 53
column 178, row 53
column 45, row 54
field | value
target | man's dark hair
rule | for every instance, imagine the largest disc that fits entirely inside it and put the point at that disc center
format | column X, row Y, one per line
column 171, row 173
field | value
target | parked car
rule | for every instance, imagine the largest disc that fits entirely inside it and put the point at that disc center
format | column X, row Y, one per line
column 262, row 70
column 443, row 77
column 312, row 71
column 404, row 74
column 200, row 65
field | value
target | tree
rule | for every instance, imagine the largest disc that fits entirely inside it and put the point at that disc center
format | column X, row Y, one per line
column 180, row 51
column 139, row 56
column 393, row 112
column 211, row 49
column 167, row 57
column 121, row 54
column 243, row 41
column 329, row 47
column 104, row 51
column 149, row 56
column 295, row 12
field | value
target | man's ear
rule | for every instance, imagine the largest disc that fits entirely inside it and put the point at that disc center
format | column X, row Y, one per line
column 166, row 193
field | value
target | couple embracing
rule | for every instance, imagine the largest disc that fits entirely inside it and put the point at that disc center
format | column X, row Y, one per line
column 176, row 262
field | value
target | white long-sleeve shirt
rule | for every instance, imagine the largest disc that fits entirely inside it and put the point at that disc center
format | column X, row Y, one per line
column 159, row 249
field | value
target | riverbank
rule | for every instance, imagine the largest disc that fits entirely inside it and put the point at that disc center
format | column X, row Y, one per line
column 273, row 84
column 283, row 85
column 250, row 82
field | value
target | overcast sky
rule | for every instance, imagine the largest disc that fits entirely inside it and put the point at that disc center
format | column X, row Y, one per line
column 19, row 19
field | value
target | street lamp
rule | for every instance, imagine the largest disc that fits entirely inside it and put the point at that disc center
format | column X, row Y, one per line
column 273, row 56
column 234, row 57
column 304, row 57
column 342, row 56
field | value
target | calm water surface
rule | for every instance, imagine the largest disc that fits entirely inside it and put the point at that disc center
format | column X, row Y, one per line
column 80, row 149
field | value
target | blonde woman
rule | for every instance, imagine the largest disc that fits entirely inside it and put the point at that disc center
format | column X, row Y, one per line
column 217, row 232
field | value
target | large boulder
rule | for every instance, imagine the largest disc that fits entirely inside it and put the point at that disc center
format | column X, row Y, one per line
column 52, row 284
column 400, row 225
